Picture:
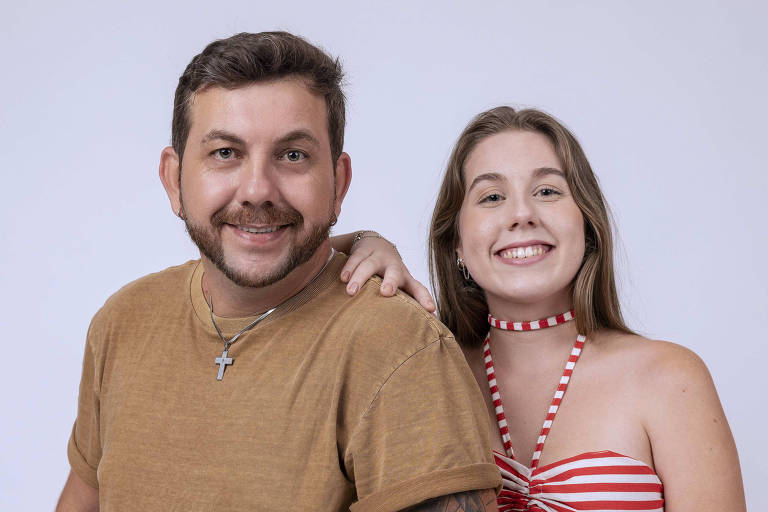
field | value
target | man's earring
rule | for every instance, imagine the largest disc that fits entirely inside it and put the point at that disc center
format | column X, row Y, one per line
column 463, row 269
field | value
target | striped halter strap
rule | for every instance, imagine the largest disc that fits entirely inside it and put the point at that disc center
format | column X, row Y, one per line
column 561, row 387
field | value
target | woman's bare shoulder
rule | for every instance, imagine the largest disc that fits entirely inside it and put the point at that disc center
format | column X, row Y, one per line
column 651, row 364
column 673, row 396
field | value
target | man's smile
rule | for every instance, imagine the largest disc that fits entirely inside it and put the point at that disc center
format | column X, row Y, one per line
column 260, row 229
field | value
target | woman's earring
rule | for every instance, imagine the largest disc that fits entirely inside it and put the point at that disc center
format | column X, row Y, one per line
column 463, row 269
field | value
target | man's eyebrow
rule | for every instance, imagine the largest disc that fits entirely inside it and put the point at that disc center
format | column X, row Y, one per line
column 486, row 176
column 546, row 171
column 298, row 135
column 222, row 135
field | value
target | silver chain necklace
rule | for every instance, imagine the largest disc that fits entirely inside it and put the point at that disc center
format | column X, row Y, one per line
column 225, row 360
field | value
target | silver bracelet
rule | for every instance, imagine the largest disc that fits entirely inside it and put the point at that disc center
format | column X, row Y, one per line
column 365, row 234
column 372, row 234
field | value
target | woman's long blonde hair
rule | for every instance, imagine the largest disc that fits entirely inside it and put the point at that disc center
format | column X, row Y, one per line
column 461, row 302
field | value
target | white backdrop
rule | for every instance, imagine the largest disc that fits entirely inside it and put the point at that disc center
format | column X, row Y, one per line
column 668, row 99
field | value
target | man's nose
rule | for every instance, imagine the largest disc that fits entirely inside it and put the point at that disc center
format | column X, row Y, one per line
column 257, row 183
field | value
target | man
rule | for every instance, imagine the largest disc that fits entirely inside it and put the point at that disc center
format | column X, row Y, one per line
column 249, row 380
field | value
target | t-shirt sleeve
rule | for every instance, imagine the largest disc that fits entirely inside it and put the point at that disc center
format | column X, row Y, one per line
column 424, row 435
column 84, row 449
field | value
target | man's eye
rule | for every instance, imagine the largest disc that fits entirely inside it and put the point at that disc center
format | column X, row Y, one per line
column 224, row 153
column 295, row 155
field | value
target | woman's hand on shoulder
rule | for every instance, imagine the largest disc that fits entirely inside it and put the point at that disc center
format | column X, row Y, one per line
column 371, row 254
column 693, row 449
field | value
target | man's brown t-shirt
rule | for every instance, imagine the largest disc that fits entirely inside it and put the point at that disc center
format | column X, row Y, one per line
column 332, row 402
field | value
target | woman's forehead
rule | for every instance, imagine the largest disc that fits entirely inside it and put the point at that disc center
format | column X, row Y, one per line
column 512, row 154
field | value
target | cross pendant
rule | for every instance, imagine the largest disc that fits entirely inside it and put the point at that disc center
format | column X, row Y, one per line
column 223, row 361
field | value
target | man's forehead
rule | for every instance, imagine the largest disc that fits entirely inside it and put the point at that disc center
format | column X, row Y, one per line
column 266, row 109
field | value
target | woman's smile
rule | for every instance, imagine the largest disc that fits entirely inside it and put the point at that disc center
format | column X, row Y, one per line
column 525, row 253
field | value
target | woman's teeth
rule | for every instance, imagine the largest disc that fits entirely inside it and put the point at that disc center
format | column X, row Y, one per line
column 524, row 252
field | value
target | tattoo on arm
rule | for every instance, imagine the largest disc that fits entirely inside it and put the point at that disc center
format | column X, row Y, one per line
column 469, row 501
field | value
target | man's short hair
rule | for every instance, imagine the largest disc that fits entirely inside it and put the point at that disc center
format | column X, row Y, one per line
column 247, row 58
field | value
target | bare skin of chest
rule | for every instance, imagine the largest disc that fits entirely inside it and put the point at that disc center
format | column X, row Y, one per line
column 596, row 414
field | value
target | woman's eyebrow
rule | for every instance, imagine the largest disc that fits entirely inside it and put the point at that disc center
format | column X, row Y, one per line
column 546, row 171
column 486, row 176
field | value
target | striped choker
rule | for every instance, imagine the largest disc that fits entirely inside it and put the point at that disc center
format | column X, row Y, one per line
column 531, row 326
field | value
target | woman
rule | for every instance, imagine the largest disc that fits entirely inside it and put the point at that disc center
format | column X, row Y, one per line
column 520, row 239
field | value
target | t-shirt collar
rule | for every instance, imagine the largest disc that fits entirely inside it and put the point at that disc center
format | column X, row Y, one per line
column 229, row 325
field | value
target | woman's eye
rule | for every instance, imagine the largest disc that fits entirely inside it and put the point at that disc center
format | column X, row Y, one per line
column 491, row 198
column 224, row 153
column 295, row 155
column 548, row 193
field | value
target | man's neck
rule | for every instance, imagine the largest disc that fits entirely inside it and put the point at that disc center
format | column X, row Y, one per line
column 232, row 300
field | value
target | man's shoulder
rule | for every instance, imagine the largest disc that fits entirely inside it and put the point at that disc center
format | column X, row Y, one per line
column 147, row 292
column 395, row 324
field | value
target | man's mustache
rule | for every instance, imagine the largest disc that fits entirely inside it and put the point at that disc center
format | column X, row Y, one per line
column 257, row 215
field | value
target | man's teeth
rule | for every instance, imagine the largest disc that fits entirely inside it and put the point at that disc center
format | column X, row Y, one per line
column 524, row 252
column 249, row 229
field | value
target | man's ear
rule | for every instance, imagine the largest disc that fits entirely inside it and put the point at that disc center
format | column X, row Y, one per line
column 170, row 175
column 342, row 179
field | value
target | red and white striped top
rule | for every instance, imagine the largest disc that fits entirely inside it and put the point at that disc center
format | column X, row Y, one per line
column 594, row 481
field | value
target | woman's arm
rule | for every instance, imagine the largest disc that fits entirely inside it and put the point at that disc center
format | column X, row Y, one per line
column 693, row 449
column 372, row 254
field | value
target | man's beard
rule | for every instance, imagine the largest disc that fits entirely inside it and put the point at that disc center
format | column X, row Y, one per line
column 208, row 240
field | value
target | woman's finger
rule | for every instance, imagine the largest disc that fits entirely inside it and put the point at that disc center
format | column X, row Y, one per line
column 397, row 276
column 353, row 261
column 419, row 292
column 364, row 270
column 393, row 279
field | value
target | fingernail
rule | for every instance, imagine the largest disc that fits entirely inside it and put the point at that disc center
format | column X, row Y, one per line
column 345, row 276
column 352, row 288
column 387, row 288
